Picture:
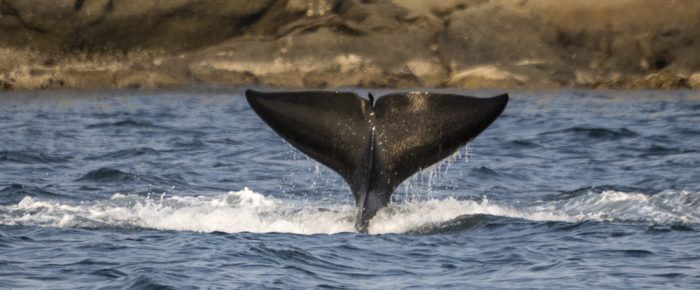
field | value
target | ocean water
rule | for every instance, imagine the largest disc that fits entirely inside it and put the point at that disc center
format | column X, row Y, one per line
column 189, row 189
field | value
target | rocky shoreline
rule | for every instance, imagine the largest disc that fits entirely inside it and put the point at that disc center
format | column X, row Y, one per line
column 525, row 44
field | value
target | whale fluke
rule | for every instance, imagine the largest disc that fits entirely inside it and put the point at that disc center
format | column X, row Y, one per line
column 375, row 145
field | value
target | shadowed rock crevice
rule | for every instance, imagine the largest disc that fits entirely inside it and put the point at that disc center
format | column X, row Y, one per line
column 329, row 43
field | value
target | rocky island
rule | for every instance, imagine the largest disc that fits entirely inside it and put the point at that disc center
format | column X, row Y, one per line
column 528, row 44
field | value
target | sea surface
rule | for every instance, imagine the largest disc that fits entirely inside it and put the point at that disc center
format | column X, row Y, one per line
column 190, row 189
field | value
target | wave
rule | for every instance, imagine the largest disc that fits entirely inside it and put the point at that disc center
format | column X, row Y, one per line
column 126, row 154
column 248, row 211
column 124, row 123
column 15, row 192
column 596, row 133
column 106, row 174
column 112, row 176
column 658, row 150
column 29, row 157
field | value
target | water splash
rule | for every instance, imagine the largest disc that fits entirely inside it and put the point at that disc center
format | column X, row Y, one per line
column 666, row 207
column 424, row 180
column 248, row 211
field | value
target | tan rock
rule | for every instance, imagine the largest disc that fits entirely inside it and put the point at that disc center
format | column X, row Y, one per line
column 486, row 76
column 43, row 15
column 661, row 80
column 87, row 80
column 474, row 37
column 147, row 79
column 441, row 8
column 694, row 80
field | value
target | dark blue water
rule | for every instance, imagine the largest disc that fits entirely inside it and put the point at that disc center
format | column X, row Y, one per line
column 189, row 189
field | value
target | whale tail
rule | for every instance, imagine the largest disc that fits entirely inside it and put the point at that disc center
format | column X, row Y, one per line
column 375, row 145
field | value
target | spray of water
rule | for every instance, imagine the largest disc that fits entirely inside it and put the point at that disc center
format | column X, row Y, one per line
column 248, row 211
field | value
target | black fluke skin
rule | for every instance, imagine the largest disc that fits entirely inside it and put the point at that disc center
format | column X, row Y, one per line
column 375, row 146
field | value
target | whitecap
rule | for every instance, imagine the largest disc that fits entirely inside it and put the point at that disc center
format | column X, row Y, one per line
column 249, row 211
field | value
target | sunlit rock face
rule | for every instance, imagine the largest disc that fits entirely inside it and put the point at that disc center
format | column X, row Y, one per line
column 331, row 43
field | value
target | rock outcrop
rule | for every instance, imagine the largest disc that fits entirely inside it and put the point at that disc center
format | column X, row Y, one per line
column 530, row 44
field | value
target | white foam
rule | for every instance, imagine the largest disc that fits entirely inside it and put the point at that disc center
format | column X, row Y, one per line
column 248, row 211
column 663, row 208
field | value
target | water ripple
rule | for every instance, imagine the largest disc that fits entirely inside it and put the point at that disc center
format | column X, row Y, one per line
column 129, row 123
column 595, row 133
column 29, row 157
column 126, row 154
column 568, row 189
column 14, row 193
column 106, row 174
